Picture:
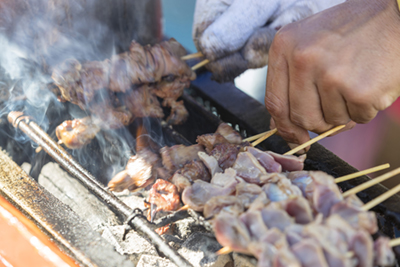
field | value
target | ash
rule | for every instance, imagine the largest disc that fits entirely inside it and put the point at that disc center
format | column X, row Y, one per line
column 188, row 236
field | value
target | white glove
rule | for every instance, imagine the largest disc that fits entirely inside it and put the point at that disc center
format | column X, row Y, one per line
column 225, row 27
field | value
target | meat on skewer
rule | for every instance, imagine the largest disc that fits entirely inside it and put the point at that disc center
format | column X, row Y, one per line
column 142, row 169
column 163, row 196
column 324, row 243
column 77, row 133
column 125, row 87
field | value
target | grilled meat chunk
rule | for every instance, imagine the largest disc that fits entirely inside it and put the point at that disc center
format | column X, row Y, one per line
column 248, row 168
column 154, row 70
column 175, row 157
column 232, row 232
column 141, row 103
column 140, row 172
column 229, row 133
column 225, row 154
column 383, row 255
column 192, row 171
column 210, row 162
column 77, row 133
column 200, row 192
column 273, row 162
column 322, row 192
column 163, row 196
column 351, row 210
column 209, row 141
column 220, row 204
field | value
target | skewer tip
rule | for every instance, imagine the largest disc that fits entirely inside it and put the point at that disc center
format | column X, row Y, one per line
column 191, row 56
column 186, row 207
column 224, row 250
column 200, row 64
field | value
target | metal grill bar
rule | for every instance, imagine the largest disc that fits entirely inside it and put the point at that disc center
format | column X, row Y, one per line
column 138, row 223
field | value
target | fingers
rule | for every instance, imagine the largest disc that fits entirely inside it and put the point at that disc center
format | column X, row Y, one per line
column 305, row 104
column 277, row 97
column 228, row 68
column 257, row 47
column 244, row 16
column 205, row 13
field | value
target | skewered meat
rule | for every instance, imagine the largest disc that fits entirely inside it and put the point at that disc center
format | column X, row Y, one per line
column 225, row 154
column 248, row 168
column 220, row 204
column 231, row 232
column 281, row 190
column 197, row 195
column 274, row 216
column 229, row 134
column 274, row 162
column 296, row 207
column 142, row 169
column 301, row 179
column 140, row 172
column 247, row 193
column 320, row 243
column 154, row 70
column 141, row 103
column 77, row 133
column 163, row 196
column 383, row 255
column 194, row 170
column 210, row 162
column 178, row 113
column 309, row 253
column 351, row 210
column 209, row 141
column 175, row 157
column 265, row 159
column 322, row 192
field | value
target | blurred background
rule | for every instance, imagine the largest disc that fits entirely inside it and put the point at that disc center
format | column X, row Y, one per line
column 363, row 147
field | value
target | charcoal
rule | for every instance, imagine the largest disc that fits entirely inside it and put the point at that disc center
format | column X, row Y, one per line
column 134, row 245
column 72, row 193
column 133, row 200
column 147, row 261
column 186, row 227
column 240, row 260
column 199, row 249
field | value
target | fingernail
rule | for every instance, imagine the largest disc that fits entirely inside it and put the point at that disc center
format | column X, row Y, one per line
column 293, row 146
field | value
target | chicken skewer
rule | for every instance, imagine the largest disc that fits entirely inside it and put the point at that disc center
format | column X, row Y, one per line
column 335, row 209
column 126, row 86
column 361, row 173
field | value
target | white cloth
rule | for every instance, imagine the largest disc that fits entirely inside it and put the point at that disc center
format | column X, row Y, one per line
column 222, row 27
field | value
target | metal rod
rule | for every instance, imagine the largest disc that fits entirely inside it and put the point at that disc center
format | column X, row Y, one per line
column 33, row 131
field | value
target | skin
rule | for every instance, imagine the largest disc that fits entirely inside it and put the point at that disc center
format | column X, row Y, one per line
column 340, row 66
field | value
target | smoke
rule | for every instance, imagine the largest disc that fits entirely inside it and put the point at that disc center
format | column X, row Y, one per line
column 38, row 35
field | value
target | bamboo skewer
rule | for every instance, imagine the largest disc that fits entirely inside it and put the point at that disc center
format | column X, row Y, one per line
column 265, row 136
column 381, row 198
column 191, row 56
column 224, row 250
column 200, row 64
column 361, row 173
column 394, row 242
column 186, row 207
column 316, row 139
column 255, row 137
column 375, row 181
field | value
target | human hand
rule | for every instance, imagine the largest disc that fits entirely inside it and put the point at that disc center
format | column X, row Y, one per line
column 337, row 67
column 236, row 34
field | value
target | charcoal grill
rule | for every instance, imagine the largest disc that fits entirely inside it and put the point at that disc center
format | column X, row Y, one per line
column 208, row 104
